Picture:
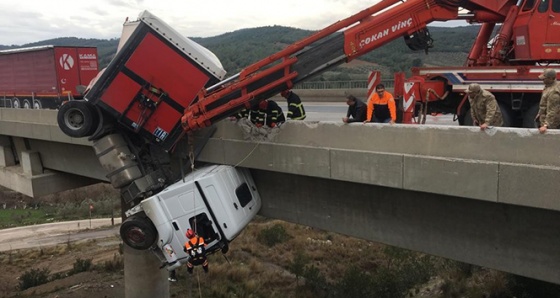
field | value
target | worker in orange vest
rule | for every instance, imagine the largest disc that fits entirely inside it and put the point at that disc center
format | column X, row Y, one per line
column 381, row 106
column 196, row 249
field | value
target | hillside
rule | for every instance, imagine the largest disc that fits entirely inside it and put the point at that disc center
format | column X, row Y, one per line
column 240, row 48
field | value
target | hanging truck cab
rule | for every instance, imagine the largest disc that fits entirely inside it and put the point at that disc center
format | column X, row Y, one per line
column 216, row 201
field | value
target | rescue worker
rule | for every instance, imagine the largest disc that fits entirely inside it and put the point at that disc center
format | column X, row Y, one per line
column 549, row 106
column 381, row 107
column 485, row 111
column 196, row 249
column 270, row 114
column 295, row 107
column 252, row 114
column 356, row 110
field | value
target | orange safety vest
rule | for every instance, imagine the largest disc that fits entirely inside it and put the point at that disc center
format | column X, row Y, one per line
column 195, row 247
column 387, row 101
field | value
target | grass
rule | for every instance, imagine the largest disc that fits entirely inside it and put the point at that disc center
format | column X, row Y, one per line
column 21, row 217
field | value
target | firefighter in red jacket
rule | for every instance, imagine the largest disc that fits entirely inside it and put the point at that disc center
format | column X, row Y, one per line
column 196, row 249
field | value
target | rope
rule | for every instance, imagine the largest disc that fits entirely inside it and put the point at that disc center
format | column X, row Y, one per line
column 248, row 154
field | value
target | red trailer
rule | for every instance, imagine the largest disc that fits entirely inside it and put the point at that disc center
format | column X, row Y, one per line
column 45, row 76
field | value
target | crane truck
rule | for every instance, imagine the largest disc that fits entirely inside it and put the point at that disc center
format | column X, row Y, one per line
column 161, row 86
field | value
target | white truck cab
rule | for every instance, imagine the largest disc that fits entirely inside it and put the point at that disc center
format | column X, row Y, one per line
column 216, row 201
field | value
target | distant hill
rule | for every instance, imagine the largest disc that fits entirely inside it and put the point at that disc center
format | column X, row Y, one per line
column 240, row 48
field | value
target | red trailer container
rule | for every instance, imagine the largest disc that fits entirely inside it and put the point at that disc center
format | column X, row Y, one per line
column 45, row 76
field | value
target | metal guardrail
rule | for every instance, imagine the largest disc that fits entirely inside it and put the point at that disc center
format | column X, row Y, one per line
column 338, row 85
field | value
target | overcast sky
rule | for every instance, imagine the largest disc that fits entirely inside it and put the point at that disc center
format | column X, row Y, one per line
column 27, row 21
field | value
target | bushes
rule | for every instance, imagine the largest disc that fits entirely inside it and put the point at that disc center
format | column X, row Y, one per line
column 80, row 266
column 273, row 235
column 33, row 278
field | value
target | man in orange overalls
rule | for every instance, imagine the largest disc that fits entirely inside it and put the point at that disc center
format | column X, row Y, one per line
column 196, row 249
column 381, row 107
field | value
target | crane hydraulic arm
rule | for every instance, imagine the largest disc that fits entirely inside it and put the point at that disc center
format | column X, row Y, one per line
column 361, row 33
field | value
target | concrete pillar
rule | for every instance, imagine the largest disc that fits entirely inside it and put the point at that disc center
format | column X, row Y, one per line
column 142, row 276
column 6, row 156
column 31, row 163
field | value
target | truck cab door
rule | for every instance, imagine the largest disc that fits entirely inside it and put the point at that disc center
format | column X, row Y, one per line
column 549, row 11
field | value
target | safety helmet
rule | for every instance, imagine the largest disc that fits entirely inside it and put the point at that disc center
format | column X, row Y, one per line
column 263, row 104
column 285, row 92
column 190, row 233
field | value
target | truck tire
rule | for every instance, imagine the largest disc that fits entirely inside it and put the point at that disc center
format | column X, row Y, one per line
column 529, row 116
column 76, row 119
column 138, row 232
column 26, row 104
column 37, row 104
column 15, row 103
column 467, row 119
column 506, row 115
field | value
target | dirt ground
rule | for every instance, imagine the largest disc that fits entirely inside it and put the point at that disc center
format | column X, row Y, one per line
column 60, row 259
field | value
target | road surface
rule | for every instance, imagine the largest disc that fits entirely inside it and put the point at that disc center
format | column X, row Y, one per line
column 56, row 233
column 333, row 111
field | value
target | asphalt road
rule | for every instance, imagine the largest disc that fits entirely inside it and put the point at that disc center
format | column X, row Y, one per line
column 56, row 233
column 332, row 111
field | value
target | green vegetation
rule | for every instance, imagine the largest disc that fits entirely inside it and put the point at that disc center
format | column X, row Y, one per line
column 239, row 49
column 69, row 205
column 33, row 278
column 21, row 217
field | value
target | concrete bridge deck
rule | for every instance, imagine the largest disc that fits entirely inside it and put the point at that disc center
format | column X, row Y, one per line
column 486, row 198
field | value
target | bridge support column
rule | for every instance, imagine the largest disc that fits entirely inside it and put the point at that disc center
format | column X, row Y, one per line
column 6, row 156
column 31, row 163
column 142, row 276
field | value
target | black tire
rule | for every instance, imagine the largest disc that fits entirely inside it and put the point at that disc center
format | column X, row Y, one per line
column 529, row 116
column 467, row 119
column 506, row 115
column 37, row 104
column 96, row 118
column 75, row 119
column 15, row 103
column 26, row 104
column 138, row 232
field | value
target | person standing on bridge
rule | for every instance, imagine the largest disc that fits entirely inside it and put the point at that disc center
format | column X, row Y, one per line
column 357, row 110
column 270, row 113
column 295, row 107
column 196, row 249
column 485, row 111
column 549, row 106
column 381, row 107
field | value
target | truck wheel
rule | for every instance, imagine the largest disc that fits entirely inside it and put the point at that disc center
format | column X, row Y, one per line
column 138, row 232
column 529, row 116
column 26, row 104
column 15, row 103
column 37, row 104
column 76, row 119
column 467, row 119
column 506, row 115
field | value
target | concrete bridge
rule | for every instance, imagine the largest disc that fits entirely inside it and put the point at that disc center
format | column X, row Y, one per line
column 485, row 198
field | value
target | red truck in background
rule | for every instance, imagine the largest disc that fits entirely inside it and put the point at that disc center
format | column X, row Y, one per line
column 43, row 77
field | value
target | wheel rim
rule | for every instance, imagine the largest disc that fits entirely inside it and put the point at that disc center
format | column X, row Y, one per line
column 26, row 105
column 136, row 236
column 74, row 119
column 15, row 104
column 37, row 105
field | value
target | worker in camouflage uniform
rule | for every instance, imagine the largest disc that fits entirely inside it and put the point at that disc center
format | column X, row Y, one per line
column 485, row 111
column 549, row 107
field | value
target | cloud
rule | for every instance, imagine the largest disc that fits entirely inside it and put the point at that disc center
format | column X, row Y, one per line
column 36, row 20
